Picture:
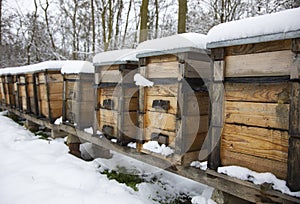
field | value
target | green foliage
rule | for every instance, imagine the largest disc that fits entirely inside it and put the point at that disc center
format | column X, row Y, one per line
column 126, row 178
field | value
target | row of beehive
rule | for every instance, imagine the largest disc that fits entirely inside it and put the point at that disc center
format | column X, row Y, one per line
column 254, row 91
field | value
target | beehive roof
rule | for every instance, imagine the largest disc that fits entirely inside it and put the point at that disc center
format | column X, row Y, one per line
column 173, row 44
column 71, row 66
column 276, row 26
column 116, row 57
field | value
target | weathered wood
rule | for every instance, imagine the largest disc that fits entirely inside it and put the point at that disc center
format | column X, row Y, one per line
column 168, row 90
column 172, row 101
column 163, row 121
column 259, row 142
column 296, row 45
column 259, row 47
column 276, row 63
column 295, row 69
column 268, row 115
column 217, row 54
column 162, row 58
column 162, row 70
column 110, row 76
column 294, row 140
column 219, row 67
column 197, row 69
column 254, row 163
column 258, row 92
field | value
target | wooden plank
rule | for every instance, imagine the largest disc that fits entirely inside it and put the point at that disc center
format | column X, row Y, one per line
column 196, row 124
column 257, row 92
column 254, row 163
column 269, row 115
column 161, row 58
column 259, row 47
column 163, row 121
column 162, row 90
column 259, row 142
column 56, row 88
column 294, row 114
column 54, row 77
column 276, row 63
column 162, row 70
column 296, row 45
column 194, row 142
column 109, row 116
column 113, row 76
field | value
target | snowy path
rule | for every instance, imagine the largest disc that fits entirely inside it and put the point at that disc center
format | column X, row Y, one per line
column 35, row 171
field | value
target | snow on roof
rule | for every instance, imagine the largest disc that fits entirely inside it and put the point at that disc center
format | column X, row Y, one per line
column 116, row 57
column 76, row 66
column 70, row 66
column 275, row 26
column 173, row 44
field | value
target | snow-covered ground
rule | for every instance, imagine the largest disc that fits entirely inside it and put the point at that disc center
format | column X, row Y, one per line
column 38, row 171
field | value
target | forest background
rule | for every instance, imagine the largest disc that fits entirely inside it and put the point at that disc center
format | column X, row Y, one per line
column 78, row 29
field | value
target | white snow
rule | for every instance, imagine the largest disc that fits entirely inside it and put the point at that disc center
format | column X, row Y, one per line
column 90, row 131
column 140, row 80
column 257, row 178
column 58, row 121
column 116, row 56
column 275, row 23
column 153, row 146
column 202, row 200
column 199, row 165
column 69, row 65
column 132, row 145
column 75, row 67
column 184, row 40
column 114, row 140
column 39, row 171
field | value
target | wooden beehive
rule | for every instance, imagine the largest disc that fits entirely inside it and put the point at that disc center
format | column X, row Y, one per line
column 50, row 93
column 174, row 111
column 78, row 103
column 32, row 94
column 22, row 93
column 9, row 89
column 2, row 92
column 256, row 102
column 116, row 95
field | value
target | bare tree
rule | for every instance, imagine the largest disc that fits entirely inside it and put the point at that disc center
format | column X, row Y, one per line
column 182, row 4
column 126, row 22
column 32, row 33
column 144, row 21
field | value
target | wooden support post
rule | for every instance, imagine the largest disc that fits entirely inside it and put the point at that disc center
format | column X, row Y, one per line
column 35, row 92
column 73, row 143
column 293, row 180
column 58, row 134
column 64, row 102
column 96, row 108
column 217, row 108
column 31, row 126
column 141, row 112
column 48, row 96
column 28, row 107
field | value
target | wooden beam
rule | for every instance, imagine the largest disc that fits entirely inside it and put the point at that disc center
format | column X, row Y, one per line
column 296, row 45
column 219, row 67
column 294, row 139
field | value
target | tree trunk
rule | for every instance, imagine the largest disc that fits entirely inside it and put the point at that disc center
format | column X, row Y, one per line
column 0, row 22
column 119, row 17
column 144, row 21
column 45, row 9
column 32, row 34
column 126, row 23
column 93, row 27
column 156, row 18
column 182, row 11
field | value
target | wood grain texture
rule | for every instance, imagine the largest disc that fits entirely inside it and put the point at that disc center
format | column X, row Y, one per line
column 172, row 101
column 259, row 47
column 257, row 92
column 162, row 70
column 269, row 115
column 163, row 121
column 258, row 164
column 162, row 58
column 259, row 142
column 276, row 63
column 162, row 90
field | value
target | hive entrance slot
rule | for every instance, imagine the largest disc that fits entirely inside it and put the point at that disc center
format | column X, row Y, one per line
column 160, row 138
column 108, row 104
column 161, row 104
column 108, row 130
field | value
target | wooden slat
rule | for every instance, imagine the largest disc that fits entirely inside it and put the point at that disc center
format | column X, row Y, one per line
column 254, row 163
column 259, row 47
column 162, row 58
column 196, row 124
column 197, row 69
column 109, row 116
column 163, row 121
column 162, row 70
column 276, row 63
column 259, row 142
column 269, row 115
column 197, row 104
column 256, row 92
column 113, row 76
column 162, row 90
